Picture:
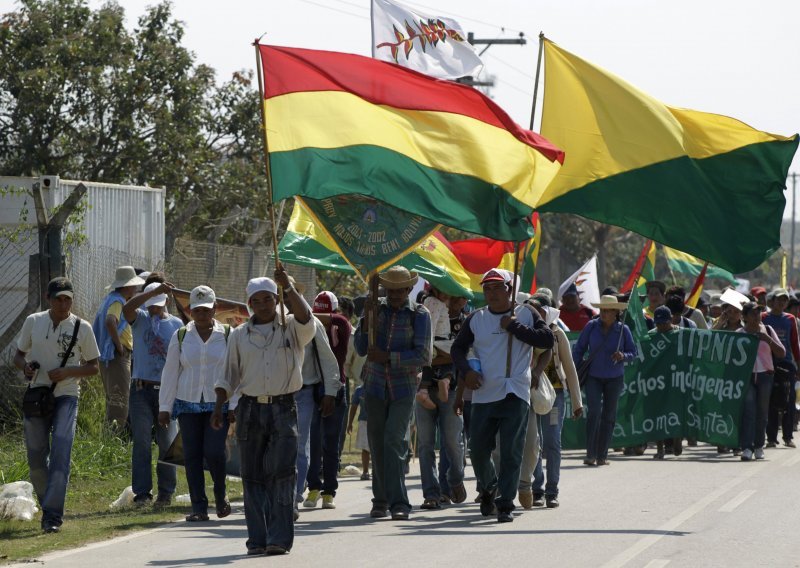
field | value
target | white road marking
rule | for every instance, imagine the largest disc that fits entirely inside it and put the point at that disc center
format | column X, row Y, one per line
column 656, row 563
column 736, row 501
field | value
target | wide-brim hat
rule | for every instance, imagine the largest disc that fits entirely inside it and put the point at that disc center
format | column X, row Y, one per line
column 609, row 302
column 398, row 277
column 125, row 276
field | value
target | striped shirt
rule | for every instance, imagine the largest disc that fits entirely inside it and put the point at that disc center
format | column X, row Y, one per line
column 406, row 334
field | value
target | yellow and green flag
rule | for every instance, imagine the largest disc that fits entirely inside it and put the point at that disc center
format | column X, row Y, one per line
column 703, row 183
column 691, row 265
column 643, row 271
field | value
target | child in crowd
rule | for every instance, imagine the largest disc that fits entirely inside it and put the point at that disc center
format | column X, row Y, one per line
column 357, row 405
column 436, row 302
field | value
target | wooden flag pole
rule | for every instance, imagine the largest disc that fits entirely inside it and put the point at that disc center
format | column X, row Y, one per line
column 513, row 305
column 536, row 80
column 373, row 309
column 267, row 169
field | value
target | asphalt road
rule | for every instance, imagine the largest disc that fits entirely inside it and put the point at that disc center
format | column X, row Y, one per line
column 700, row 509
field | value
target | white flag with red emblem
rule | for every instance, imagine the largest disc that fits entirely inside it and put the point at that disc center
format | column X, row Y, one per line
column 429, row 44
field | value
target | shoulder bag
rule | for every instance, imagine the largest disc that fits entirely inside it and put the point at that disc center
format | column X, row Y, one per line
column 40, row 402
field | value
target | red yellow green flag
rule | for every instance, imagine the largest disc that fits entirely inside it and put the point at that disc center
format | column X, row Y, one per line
column 697, row 289
column 643, row 270
column 344, row 124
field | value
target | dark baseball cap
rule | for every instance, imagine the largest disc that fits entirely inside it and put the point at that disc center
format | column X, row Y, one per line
column 59, row 286
column 662, row 315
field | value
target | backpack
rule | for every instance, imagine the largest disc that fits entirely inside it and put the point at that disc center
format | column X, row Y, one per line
column 182, row 334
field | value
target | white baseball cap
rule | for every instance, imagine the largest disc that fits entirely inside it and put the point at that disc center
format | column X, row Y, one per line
column 202, row 297
column 160, row 300
column 261, row 284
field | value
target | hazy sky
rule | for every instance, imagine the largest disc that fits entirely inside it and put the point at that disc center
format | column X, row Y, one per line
column 734, row 57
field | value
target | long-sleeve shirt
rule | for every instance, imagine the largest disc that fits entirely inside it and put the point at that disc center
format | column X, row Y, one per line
column 406, row 335
column 266, row 359
column 192, row 367
column 595, row 340
column 321, row 366
column 489, row 342
column 786, row 328
column 354, row 362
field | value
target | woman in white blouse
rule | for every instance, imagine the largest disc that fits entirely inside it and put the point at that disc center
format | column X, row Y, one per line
column 195, row 360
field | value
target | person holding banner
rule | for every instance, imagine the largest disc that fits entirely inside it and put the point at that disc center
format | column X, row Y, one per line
column 753, row 427
column 609, row 343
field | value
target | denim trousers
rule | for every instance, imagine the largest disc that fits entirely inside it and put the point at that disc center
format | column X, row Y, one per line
column 506, row 420
column 387, row 432
column 530, row 453
column 783, row 420
column 202, row 443
column 144, row 419
column 450, row 427
column 324, row 454
column 550, row 426
column 753, row 427
column 267, row 436
column 602, row 397
column 49, row 445
column 306, row 408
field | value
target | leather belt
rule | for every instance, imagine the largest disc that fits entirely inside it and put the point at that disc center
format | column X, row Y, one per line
column 270, row 398
column 140, row 384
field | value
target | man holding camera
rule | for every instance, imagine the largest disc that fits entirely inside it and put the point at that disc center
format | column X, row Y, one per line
column 54, row 350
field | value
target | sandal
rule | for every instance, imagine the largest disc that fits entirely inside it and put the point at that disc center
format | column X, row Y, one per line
column 431, row 504
column 223, row 508
column 196, row 518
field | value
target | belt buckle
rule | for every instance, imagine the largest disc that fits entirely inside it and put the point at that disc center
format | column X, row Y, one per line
column 264, row 399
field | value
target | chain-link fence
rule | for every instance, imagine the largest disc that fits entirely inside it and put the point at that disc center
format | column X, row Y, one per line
column 226, row 269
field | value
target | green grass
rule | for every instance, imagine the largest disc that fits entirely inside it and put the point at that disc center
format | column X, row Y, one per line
column 101, row 466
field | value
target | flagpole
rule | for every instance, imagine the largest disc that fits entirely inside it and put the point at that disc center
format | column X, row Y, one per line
column 536, row 80
column 513, row 305
column 268, row 170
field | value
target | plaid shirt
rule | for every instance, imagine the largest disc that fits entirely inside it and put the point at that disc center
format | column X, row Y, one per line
column 406, row 334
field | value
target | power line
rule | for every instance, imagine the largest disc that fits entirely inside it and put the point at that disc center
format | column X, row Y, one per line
column 461, row 17
column 518, row 70
column 335, row 9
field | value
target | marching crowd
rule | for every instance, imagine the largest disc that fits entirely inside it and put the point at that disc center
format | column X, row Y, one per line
column 282, row 381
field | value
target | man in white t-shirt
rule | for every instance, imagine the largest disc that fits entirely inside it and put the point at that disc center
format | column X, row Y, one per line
column 501, row 397
column 44, row 356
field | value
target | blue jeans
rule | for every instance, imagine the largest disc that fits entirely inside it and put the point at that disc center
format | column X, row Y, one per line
column 49, row 460
column 450, row 427
column 306, row 408
column 602, row 397
column 550, row 426
column 202, row 442
column 143, row 407
column 387, row 432
column 508, row 418
column 324, row 455
column 753, row 427
column 267, row 435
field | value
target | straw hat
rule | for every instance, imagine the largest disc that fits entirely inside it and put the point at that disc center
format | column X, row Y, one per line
column 609, row 302
column 125, row 276
column 398, row 277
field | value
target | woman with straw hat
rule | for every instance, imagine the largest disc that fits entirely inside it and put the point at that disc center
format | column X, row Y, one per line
column 609, row 343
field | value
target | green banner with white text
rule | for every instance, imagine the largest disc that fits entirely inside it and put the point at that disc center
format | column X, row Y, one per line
column 685, row 383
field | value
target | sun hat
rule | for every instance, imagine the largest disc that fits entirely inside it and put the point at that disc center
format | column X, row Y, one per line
column 398, row 277
column 609, row 302
column 202, row 297
column 60, row 286
column 496, row 275
column 325, row 303
column 261, row 284
column 778, row 292
column 126, row 276
column 159, row 300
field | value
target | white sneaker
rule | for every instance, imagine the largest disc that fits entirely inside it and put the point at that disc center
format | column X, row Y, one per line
column 747, row 455
column 759, row 453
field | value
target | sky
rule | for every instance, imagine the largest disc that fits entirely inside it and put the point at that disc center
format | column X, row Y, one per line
column 734, row 57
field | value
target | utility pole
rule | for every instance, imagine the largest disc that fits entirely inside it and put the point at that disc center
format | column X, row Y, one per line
column 488, row 43
column 794, row 220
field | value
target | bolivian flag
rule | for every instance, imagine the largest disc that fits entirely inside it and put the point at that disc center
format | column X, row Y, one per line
column 643, row 271
column 344, row 124
column 703, row 183
column 687, row 264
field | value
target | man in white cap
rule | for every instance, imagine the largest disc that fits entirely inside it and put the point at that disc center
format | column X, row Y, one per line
column 115, row 341
column 263, row 366
column 501, row 397
column 153, row 327
column 403, row 345
column 55, row 349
